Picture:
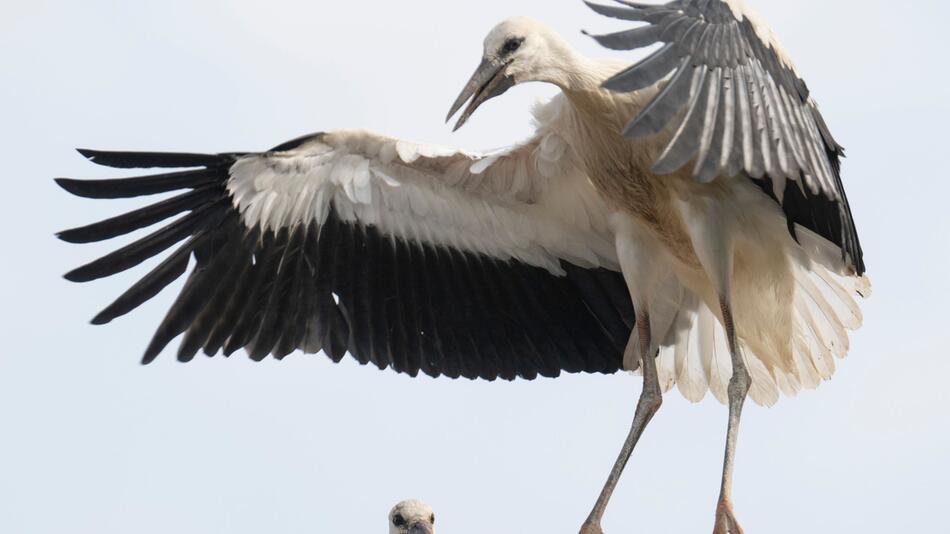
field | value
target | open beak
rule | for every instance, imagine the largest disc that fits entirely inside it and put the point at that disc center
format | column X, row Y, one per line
column 488, row 82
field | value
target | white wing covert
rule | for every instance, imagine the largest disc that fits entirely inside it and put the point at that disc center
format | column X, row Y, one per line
column 407, row 256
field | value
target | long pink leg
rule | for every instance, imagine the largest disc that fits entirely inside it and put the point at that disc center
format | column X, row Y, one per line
column 650, row 400
column 738, row 390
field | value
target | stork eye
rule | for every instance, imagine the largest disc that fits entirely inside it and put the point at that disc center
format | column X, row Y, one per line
column 512, row 45
column 432, row 519
column 399, row 520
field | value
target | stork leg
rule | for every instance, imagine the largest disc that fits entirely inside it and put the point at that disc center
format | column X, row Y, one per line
column 650, row 400
column 709, row 224
column 738, row 389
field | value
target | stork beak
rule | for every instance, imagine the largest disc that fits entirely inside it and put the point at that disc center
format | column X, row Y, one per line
column 420, row 528
column 488, row 82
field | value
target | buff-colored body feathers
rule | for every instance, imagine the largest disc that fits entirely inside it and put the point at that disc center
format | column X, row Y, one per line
column 793, row 301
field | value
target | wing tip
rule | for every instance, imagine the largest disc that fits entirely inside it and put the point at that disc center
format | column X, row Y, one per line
column 77, row 276
column 120, row 159
column 625, row 11
column 74, row 236
column 612, row 84
column 70, row 185
column 88, row 153
column 151, row 353
column 63, row 236
column 102, row 318
column 598, row 8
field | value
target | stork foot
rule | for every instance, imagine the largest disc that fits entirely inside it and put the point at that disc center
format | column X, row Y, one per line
column 591, row 528
column 726, row 520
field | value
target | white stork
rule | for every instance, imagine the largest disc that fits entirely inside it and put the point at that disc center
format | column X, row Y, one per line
column 699, row 187
column 411, row 517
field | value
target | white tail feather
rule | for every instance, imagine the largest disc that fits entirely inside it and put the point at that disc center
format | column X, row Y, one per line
column 763, row 390
column 690, row 375
column 694, row 354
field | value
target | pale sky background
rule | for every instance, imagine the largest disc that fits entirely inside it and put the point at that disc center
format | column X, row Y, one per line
column 92, row 442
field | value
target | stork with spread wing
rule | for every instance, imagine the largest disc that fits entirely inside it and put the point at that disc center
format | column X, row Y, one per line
column 683, row 217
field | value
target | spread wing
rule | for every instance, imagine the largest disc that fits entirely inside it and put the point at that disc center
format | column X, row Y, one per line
column 733, row 102
column 405, row 256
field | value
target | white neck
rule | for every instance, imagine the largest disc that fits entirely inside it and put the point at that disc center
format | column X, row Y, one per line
column 573, row 71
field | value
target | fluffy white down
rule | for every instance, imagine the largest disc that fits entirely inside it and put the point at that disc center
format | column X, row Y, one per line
column 412, row 511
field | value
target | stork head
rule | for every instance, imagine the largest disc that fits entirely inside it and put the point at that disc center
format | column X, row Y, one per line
column 518, row 50
column 411, row 517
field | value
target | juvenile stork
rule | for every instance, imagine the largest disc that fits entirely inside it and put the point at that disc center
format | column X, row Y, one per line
column 411, row 517
column 717, row 213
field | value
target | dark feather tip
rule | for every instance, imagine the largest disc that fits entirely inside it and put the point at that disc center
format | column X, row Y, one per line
column 70, row 185
column 142, row 160
column 74, row 236
column 101, row 319
column 87, row 153
column 76, row 275
column 150, row 355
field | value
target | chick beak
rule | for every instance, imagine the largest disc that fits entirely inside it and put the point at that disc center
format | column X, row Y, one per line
column 420, row 527
column 488, row 82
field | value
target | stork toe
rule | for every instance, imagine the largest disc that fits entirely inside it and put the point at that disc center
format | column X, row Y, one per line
column 726, row 522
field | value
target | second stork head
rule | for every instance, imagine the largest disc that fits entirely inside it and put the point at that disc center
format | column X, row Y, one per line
column 518, row 50
column 411, row 517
